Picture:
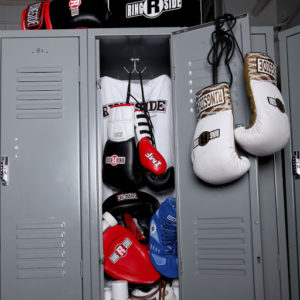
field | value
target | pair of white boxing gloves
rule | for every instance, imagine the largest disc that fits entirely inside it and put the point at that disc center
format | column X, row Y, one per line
column 214, row 155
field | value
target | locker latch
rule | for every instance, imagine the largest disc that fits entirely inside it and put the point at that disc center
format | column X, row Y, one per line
column 296, row 164
column 4, row 170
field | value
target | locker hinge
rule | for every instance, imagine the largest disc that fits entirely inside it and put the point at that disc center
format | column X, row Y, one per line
column 101, row 260
column 173, row 75
column 296, row 163
column 98, row 84
column 81, row 269
column 4, row 170
column 79, row 74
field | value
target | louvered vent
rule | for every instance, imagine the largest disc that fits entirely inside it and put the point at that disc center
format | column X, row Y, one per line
column 41, row 250
column 201, row 77
column 39, row 93
column 220, row 246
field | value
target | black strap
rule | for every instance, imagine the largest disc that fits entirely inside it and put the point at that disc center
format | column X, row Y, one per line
column 128, row 88
column 145, row 110
column 142, row 87
column 141, row 105
column 223, row 41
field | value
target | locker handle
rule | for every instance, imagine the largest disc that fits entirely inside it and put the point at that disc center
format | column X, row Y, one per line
column 4, row 170
column 296, row 163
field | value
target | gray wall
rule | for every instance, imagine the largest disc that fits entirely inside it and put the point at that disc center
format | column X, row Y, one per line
column 267, row 17
column 288, row 13
column 10, row 16
column 285, row 13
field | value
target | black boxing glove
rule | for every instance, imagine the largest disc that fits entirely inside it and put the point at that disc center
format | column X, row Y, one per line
column 121, row 168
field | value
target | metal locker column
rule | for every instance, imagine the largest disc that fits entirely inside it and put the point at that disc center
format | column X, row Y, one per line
column 41, row 243
column 219, row 232
column 271, row 199
column 289, row 45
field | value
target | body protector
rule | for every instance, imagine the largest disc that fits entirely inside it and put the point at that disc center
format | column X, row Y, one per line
column 125, row 258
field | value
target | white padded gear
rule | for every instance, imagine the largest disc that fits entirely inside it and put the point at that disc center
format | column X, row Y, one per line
column 269, row 130
column 121, row 123
column 214, row 156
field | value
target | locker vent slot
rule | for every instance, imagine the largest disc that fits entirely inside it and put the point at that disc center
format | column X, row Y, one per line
column 220, row 246
column 200, row 76
column 39, row 93
column 41, row 250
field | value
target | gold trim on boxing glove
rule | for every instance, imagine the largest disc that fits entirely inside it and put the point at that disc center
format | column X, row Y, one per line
column 258, row 66
column 205, row 137
column 213, row 99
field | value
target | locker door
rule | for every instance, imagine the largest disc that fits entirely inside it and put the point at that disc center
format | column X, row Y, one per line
column 40, row 201
column 289, row 45
column 219, row 235
column 271, row 199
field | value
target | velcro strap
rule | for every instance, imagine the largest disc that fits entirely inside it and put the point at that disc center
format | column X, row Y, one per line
column 33, row 17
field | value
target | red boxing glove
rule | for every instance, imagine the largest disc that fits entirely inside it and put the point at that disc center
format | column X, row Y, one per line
column 150, row 157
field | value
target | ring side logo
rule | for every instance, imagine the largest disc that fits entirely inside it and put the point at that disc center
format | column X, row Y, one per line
column 151, row 8
column 205, row 137
column 120, row 250
column 74, row 7
column 266, row 67
column 115, row 160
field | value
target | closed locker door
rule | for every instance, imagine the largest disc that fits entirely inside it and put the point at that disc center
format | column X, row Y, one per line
column 271, row 199
column 289, row 44
column 40, row 197
column 219, row 236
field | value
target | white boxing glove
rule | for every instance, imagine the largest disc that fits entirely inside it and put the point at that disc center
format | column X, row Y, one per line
column 269, row 128
column 214, row 156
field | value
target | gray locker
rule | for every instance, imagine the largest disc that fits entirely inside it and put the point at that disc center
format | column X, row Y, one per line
column 289, row 43
column 42, row 195
column 271, row 199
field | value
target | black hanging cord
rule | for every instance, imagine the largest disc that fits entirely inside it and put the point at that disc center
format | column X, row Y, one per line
column 141, row 105
column 128, row 88
column 146, row 111
column 223, row 43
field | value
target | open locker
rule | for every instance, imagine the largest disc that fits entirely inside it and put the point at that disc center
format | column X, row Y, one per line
column 218, row 239
column 134, row 202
